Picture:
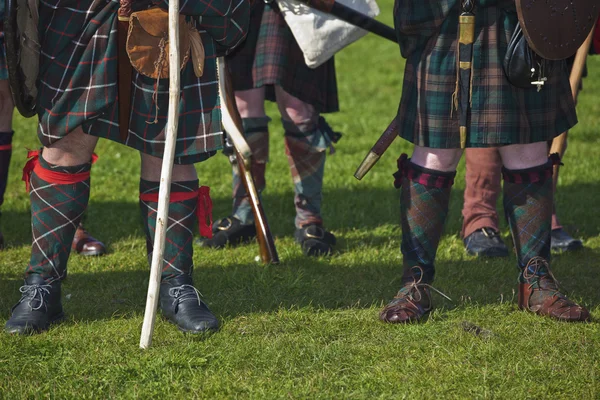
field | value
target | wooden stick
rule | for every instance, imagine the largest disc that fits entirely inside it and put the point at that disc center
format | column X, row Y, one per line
column 559, row 143
column 164, row 192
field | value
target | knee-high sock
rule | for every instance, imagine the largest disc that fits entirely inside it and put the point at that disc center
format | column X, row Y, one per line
column 528, row 208
column 59, row 196
column 256, row 132
column 425, row 196
column 305, row 145
column 179, row 251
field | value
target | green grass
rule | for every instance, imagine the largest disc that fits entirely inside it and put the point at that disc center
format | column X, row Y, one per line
column 308, row 328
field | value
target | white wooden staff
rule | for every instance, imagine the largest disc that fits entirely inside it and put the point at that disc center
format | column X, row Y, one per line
column 164, row 192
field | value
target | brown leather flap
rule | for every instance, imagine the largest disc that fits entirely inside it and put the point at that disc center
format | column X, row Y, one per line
column 148, row 42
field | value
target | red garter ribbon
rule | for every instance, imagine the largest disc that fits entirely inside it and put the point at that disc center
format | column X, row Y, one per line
column 203, row 208
column 5, row 147
column 60, row 178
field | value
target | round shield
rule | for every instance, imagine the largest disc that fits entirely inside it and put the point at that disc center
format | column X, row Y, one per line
column 555, row 29
column 22, row 53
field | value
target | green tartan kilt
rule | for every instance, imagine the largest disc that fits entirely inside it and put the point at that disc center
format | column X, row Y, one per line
column 3, row 67
column 271, row 56
column 501, row 114
column 78, row 84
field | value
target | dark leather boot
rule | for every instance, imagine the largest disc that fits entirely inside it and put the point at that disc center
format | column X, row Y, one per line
column 87, row 245
column 540, row 294
column 230, row 231
column 315, row 240
column 180, row 304
column 39, row 307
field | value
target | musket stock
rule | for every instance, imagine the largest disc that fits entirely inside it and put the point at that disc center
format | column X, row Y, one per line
column 232, row 122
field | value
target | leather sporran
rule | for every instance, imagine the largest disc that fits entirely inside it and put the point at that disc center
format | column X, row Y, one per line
column 522, row 66
column 148, row 43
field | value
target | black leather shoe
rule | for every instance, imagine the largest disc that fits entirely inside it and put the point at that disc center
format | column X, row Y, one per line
column 39, row 307
column 562, row 241
column 180, row 304
column 315, row 240
column 229, row 231
column 485, row 242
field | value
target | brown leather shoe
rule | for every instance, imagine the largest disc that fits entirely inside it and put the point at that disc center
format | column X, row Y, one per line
column 412, row 302
column 540, row 294
column 86, row 245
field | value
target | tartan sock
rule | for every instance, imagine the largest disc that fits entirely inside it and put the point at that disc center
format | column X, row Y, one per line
column 305, row 145
column 56, row 209
column 177, row 257
column 5, row 153
column 424, row 200
column 528, row 209
column 256, row 132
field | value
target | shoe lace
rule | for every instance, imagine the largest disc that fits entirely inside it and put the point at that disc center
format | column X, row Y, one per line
column 411, row 291
column 34, row 292
column 538, row 267
column 185, row 293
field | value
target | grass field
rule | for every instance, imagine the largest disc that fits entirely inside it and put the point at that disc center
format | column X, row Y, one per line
column 308, row 328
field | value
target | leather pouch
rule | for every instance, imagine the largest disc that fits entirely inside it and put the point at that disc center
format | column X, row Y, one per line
column 148, row 43
column 522, row 66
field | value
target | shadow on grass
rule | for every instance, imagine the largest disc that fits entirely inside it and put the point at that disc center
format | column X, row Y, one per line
column 243, row 289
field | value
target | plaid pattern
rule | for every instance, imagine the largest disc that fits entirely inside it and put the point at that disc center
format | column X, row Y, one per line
column 78, row 78
column 528, row 209
column 423, row 211
column 180, row 228
column 5, row 153
column 305, row 146
column 56, row 210
column 500, row 114
column 3, row 68
column 270, row 56
column 256, row 131
column 424, row 176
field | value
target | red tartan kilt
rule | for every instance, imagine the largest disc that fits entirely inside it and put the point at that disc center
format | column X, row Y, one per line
column 270, row 56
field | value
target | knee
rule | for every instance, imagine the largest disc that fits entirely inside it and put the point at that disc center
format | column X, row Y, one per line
column 296, row 111
column 436, row 159
column 251, row 103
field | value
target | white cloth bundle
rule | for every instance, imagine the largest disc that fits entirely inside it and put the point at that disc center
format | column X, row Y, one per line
column 321, row 35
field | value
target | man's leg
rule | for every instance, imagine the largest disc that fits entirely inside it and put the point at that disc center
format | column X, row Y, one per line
column 425, row 182
column 306, row 143
column 59, row 192
column 527, row 177
column 6, row 133
column 482, row 189
column 179, row 301
column 239, row 226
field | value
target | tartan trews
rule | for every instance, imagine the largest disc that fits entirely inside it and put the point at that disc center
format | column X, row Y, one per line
column 305, row 146
column 256, row 132
column 424, row 200
column 180, row 228
column 59, row 197
column 528, row 209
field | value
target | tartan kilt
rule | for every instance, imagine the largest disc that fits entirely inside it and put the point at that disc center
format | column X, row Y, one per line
column 271, row 56
column 78, row 86
column 3, row 68
column 501, row 114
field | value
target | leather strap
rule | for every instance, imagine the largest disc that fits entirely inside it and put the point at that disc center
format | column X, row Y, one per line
column 124, row 69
